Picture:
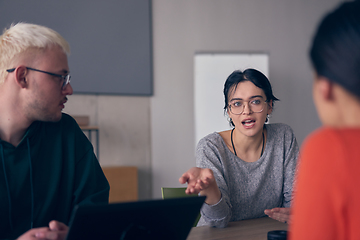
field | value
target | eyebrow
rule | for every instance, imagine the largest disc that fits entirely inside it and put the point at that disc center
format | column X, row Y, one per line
column 252, row 97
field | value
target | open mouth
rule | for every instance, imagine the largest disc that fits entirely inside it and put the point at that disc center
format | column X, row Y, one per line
column 248, row 122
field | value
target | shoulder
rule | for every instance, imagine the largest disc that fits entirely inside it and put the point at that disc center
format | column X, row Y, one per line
column 330, row 148
column 280, row 132
column 66, row 128
column 68, row 124
column 65, row 124
column 282, row 141
column 321, row 136
column 334, row 133
column 210, row 150
column 211, row 144
column 331, row 139
column 213, row 139
column 67, row 119
column 323, row 153
column 279, row 128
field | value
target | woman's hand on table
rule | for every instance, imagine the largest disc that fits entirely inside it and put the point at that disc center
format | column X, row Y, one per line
column 279, row 214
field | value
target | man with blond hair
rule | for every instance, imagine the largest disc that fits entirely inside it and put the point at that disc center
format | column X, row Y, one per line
column 47, row 165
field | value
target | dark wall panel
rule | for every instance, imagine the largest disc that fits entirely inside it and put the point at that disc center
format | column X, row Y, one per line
column 110, row 40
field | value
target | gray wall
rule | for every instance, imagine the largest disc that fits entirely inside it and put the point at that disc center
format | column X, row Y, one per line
column 282, row 28
column 110, row 40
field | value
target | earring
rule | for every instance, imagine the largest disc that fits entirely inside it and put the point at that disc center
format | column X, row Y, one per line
column 231, row 122
column 267, row 118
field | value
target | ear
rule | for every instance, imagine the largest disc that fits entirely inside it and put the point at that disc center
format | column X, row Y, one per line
column 20, row 75
column 325, row 88
column 270, row 107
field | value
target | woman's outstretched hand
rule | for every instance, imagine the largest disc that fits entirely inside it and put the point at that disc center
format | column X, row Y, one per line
column 201, row 180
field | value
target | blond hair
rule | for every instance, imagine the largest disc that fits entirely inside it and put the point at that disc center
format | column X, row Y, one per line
column 21, row 37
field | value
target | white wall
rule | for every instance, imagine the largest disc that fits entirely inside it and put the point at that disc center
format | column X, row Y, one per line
column 210, row 70
column 282, row 28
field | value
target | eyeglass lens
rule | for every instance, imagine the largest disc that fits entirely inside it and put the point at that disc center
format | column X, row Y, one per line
column 66, row 80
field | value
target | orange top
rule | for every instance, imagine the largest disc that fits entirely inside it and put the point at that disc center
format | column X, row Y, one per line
column 327, row 197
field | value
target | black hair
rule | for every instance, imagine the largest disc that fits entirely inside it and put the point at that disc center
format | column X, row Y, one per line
column 335, row 51
column 252, row 75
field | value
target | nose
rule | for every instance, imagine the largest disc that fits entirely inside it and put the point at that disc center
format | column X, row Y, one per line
column 247, row 109
column 68, row 90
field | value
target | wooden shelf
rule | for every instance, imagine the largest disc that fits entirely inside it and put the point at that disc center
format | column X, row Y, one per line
column 123, row 182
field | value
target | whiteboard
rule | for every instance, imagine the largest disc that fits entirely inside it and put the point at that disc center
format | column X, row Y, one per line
column 210, row 73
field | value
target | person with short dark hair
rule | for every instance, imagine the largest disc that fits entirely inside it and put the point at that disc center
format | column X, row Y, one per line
column 47, row 164
column 326, row 202
column 249, row 169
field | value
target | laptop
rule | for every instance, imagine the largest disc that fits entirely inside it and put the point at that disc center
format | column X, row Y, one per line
column 151, row 219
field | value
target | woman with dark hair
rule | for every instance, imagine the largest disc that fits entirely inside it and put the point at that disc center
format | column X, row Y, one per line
column 250, row 168
column 326, row 203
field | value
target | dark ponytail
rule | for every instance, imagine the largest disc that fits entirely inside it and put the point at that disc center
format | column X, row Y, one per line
column 335, row 52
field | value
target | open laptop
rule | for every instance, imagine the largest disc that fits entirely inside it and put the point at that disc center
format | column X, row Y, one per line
column 152, row 219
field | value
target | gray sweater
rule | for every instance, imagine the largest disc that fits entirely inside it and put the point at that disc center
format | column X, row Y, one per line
column 248, row 188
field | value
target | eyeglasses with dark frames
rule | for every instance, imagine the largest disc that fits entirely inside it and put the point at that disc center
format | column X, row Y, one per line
column 65, row 78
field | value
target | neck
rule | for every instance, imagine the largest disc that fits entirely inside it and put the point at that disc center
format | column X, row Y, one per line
column 13, row 118
column 13, row 124
column 11, row 131
column 248, row 148
column 342, row 110
column 349, row 116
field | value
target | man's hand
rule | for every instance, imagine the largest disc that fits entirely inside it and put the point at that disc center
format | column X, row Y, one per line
column 55, row 231
column 280, row 214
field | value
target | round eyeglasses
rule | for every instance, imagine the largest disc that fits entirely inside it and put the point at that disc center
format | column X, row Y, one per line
column 64, row 78
column 256, row 105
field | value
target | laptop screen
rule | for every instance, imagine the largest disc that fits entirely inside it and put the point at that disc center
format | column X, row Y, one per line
column 152, row 219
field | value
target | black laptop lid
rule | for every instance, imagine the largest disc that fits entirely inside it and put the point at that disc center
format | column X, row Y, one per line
column 153, row 219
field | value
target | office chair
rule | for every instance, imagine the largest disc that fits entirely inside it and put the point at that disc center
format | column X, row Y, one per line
column 177, row 193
